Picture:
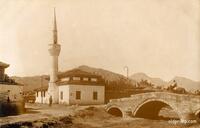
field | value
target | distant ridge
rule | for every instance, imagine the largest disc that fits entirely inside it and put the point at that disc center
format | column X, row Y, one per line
column 142, row 76
column 112, row 79
column 183, row 82
column 107, row 75
column 186, row 83
column 33, row 82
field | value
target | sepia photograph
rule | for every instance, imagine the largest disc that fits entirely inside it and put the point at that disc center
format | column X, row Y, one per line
column 99, row 63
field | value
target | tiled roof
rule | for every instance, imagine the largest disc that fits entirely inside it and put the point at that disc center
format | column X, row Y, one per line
column 4, row 65
column 44, row 88
column 76, row 72
column 81, row 82
column 10, row 84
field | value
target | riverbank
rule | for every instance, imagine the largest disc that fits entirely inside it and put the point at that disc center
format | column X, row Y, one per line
column 61, row 116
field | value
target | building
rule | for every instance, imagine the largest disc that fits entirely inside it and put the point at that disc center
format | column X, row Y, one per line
column 72, row 87
column 11, row 94
column 9, row 86
column 76, row 87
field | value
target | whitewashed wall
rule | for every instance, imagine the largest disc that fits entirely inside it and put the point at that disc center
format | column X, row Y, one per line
column 15, row 93
column 65, row 90
column 40, row 99
column 69, row 94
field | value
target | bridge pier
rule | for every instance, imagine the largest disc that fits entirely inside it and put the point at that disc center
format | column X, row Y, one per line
column 127, row 114
column 187, row 118
column 197, row 117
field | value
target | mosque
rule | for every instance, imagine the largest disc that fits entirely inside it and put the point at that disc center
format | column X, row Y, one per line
column 71, row 87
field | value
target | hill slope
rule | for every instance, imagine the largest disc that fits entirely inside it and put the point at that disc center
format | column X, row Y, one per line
column 107, row 75
column 141, row 76
column 183, row 82
column 32, row 82
column 111, row 78
column 186, row 83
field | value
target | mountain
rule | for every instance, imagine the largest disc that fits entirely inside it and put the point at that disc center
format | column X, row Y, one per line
column 183, row 82
column 32, row 82
column 141, row 76
column 112, row 79
column 186, row 83
column 107, row 75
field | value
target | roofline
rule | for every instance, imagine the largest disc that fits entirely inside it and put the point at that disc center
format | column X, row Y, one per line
column 2, row 64
column 78, row 74
column 10, row 84
column 40, row 89
column 60, row 76
column 60, row 83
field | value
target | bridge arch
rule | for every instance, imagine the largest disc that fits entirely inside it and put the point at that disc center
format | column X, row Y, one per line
column 150, row 108
column 197, row 114
column 115, row 110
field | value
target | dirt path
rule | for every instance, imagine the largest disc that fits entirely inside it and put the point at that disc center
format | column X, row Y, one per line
column 39, row 111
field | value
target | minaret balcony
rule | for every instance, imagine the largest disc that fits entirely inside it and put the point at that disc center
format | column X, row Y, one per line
column 54, row 49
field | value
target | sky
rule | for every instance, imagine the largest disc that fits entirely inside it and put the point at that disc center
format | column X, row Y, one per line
column 158, row 37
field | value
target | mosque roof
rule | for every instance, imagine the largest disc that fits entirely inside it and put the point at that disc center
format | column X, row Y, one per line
column 43, row 88
column 77, row 72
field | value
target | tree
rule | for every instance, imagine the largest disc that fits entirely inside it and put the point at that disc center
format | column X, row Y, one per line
column 197, row 92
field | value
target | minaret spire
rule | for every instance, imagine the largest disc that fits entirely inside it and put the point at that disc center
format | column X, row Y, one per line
column 54, row 51
column 55, row 29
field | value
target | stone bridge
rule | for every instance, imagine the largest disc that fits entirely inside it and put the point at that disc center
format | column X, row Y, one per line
column 148, row 105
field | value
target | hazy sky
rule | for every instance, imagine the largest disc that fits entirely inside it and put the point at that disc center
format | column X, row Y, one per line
column 158, row 37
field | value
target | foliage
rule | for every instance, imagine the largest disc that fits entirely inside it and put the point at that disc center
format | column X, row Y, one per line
column 197, row 92
column 176, row 89
column 144, row 84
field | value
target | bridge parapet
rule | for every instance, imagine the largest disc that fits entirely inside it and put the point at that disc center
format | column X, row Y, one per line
column 171, row 97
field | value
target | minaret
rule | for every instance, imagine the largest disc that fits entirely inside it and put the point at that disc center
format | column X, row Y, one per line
column 54, row 51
